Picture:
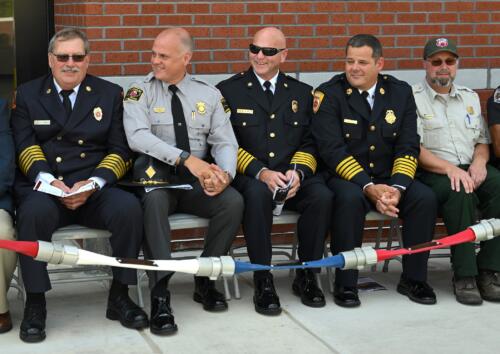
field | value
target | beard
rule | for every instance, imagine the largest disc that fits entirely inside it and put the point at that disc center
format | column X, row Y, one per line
column 442, row 81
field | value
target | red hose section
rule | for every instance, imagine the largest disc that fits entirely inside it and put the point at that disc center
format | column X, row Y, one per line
column 467, row 235
column 28, row 248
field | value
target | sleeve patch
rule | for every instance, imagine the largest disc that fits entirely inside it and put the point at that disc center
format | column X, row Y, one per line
column 225, row 105
column 133, row 94
column 318, row 98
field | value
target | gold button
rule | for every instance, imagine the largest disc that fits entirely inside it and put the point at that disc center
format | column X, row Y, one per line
column 295, row 123
column 372, row 128
column 59, row 138
column 82, row 155
column 272, row 135
column 60, row 178
column 394, row 134
column 271, row 154
column 244, row 124
column 272, row 116
column 58, row 159
column 347, row 135
column 372, row 165
column 80, row 142
column 372, row 148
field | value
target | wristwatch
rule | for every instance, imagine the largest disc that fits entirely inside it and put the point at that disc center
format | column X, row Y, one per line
column 183, row 157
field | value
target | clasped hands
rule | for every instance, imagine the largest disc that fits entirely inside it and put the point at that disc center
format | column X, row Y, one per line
column 275, row 179
column 212, row 178
column 385, row 198
column 73, row 202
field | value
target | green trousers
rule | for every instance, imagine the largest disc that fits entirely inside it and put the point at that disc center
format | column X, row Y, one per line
column 459, row 211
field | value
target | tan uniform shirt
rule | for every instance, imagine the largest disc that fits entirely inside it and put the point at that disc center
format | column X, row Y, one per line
column 450, row 127
column 149, row 123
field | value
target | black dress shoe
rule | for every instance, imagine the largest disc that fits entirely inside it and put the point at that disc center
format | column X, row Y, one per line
column 346, row 296
column 205, row 293
column 466, row 291
column 265, row 299
column 5, row 322
column 417, row 291
column 123, row 309
column 488, row 283
column 33, row 324
column 162, row 320
column 305, row 286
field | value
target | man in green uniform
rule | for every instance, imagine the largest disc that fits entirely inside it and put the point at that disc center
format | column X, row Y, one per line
column 454, row 156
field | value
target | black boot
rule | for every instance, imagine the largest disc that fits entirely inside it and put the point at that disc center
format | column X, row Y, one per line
column 205, row 293
column 162, row 320
column 306, row 286
column 265, row 299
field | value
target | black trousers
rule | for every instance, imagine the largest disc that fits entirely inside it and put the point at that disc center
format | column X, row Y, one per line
column 313, row 201
column 224, row 211
column 39, row 215
column 417, row 209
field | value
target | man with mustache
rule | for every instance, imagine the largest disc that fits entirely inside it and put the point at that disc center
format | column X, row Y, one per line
column 454, row 154
column 68, row 133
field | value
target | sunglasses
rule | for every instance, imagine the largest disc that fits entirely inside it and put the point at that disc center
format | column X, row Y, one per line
column 267, row 51
column 439, row 62
column 63, row 58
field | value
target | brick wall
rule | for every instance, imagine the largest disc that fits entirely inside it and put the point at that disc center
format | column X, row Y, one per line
column 122, row 31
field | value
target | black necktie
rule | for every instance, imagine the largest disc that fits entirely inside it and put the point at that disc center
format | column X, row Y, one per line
column 269, row 93
column 180, row 129
column 66, row 101
column 365, row 96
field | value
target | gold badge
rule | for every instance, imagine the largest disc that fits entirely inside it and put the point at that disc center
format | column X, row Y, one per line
column 348, row 91
column 390, row 117
column 496, row 95
column 159, row 109
column 98, row 114
column 150, row 171
column 200, row 107
column 470, row 110
column 48, row 91
column 133, row 94
column 88, row 89
column 295, row 106
column 382, row 91
column 318, row 98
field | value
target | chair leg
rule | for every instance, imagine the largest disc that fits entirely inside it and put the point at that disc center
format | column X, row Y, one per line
column 293, row 256
column 329, row 272
column 236, row 285
column 380, row 230
column 226, row 289
column 140, row 298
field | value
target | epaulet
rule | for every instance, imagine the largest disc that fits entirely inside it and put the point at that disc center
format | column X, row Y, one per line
column 149, row 77
column 201, row 81
column 290, row 77
column 392, row 79
column 416, row 88
column 463, row 88
column 337, row 78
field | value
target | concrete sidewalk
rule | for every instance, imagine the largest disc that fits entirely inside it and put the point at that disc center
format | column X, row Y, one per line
column 386, row 322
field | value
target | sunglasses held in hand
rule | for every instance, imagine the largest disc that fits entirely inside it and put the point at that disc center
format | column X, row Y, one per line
column 267, row 51
column 63, row 58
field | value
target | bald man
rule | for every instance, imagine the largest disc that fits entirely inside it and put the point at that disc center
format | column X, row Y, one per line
column 182, row 121
column 271, row 115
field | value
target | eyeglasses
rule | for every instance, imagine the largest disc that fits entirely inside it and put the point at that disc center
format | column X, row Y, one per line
column 63, row 58
column 439, row 62
column 267, row 51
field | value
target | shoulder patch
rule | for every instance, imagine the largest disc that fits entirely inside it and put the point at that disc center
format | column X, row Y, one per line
column 318, row 98
column 133, row 94
column 496, row 95
column 225, row 106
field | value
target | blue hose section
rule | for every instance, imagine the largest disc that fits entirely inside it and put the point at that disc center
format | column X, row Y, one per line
column 328, row 262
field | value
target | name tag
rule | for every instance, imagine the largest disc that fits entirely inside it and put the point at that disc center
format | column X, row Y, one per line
column 350, row 121
column 42, row 122
column 244, row 111
column 159, row 109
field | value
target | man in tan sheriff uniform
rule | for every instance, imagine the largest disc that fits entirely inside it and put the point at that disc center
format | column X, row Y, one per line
column 183, row 122
column 454, row 156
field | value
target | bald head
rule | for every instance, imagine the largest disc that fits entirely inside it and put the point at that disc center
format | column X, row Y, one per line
column 271, row 35
column 177, row 35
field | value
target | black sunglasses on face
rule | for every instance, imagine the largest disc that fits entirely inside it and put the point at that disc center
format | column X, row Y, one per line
column 267, row 51
column 439, row 62
column 63, row 58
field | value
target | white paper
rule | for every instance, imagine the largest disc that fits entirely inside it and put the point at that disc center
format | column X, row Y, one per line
column 44, row 187
column 186, row 187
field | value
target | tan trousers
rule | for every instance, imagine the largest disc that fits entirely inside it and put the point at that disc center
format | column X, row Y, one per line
column 7, row 259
